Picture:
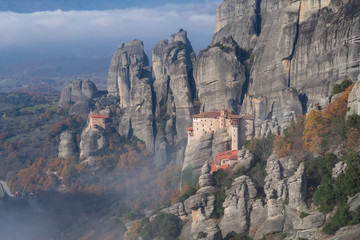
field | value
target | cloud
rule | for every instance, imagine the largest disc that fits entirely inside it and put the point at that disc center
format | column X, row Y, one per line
column 147, row 24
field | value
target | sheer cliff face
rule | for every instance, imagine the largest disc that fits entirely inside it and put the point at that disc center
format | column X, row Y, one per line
column 239, row 19
column 129, row 80
column 220, row 76
column 174, row 89
column 173, row 66
column 304, row 46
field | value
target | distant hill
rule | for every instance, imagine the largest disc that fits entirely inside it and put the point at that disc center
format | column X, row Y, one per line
column 52, row 73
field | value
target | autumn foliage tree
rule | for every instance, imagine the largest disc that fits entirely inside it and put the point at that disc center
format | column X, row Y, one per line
column 319, row 123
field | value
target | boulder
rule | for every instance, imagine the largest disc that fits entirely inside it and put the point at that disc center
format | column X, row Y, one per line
column 80, row 90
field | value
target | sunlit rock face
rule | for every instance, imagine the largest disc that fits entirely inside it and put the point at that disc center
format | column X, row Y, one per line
column 129, row 80
column 174, row 89
column 68, row 144
column 220, row 76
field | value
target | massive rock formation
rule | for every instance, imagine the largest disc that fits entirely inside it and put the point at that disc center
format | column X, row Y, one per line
column 220, row 75
column 80, row 90
column 174, row 90
column 129, row 80
column 300, row 49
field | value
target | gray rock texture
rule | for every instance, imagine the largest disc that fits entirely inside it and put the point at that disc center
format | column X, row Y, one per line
column 205, row 150
column 354, row 99
column 220, row 75
column 174, row 88
column 80, row 108
column 129, row 79
column 68, row 145
column 205, row 178
column 80, row 90
column 339, row 168
column 237, row 206
column 297, row 189
column 301, row 47
column 239, row 19
column 91, row 140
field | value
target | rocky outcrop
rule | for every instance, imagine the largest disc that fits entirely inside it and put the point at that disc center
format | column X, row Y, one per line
column 80, row 108
column 205, row 178
column 129, row 80
column 339, row 168
column 68, row 144
column 297, row 189
column 198, row 153
column 220, row 75
column 354, row 99
column 237, row 206
column 91, row 140
column 80, row 90
column 174, row 88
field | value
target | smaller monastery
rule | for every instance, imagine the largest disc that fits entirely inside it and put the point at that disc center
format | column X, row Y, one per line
column 225, row 160
column 239, row 127
column 100, row 121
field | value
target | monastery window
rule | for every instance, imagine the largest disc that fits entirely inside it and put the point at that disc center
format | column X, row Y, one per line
column 210, row 129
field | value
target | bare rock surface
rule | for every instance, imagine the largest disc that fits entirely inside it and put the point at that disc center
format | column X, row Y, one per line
column 174, row 88
column 68, row 144
column 129, row 80
column 237, row 206
column 91, row 140
column 354, row 99
column 220, row 75
column 80, row 90
column 239, row 19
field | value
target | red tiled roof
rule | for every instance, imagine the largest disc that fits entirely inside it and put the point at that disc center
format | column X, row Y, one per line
column 214, row 167
column 100, row 116
column 190, row 129
column 232, row 155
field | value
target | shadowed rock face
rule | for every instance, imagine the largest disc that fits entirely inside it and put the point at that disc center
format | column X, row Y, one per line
column 129, row 80
column 80, row 90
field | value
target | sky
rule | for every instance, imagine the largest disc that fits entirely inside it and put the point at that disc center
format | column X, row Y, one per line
column 31, row 29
